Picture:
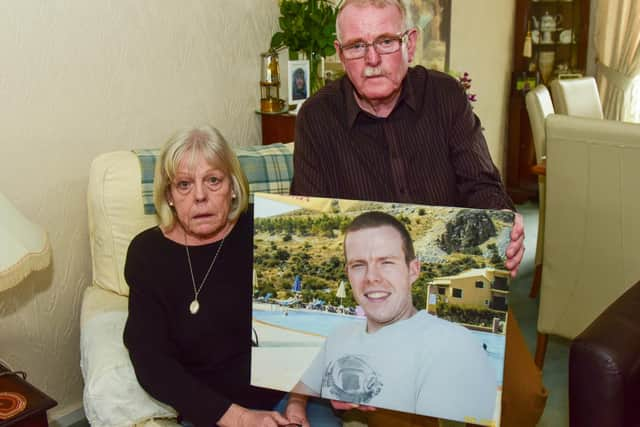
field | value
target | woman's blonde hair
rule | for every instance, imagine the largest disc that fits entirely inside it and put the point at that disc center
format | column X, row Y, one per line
column 205, row 141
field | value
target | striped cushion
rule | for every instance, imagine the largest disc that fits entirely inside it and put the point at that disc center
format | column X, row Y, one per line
column 269, row 169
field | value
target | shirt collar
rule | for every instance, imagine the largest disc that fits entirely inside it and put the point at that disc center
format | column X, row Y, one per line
column 407, row 96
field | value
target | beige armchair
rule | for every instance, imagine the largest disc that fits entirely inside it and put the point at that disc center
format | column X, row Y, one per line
column 592, row 224
column 539, row 106
column 118, row 201
column 577, row 97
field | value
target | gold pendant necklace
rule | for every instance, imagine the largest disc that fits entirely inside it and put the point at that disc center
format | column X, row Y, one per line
column 194, row 307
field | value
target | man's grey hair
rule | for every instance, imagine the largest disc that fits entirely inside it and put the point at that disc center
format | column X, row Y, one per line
column 375, row 3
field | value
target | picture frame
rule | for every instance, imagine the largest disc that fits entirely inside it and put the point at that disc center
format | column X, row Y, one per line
column 307, row 313
column 432, row 18
column 299, row 89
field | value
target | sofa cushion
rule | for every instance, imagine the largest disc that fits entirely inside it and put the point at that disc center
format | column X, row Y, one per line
column 116, row 203
column 112, row 395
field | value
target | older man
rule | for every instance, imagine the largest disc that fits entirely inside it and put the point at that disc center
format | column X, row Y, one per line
column 401, row 358
column 388, row 132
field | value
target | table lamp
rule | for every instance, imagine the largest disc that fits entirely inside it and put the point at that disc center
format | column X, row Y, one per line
column 24, row 247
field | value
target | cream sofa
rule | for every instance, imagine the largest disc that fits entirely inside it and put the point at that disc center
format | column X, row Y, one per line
column 116, row 209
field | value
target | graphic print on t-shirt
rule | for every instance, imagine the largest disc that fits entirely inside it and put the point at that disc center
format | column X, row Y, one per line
column 351, row 379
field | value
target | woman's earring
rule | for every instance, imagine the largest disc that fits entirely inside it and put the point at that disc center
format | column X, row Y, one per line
column 170, row 203
column 233, row 195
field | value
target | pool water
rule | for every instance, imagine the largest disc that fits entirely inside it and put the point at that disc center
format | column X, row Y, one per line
column 315, row 322
column 322, row 323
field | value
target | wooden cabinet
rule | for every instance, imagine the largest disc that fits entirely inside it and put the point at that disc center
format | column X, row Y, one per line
column 23, row 404
column 277, row 128
column 559, row 31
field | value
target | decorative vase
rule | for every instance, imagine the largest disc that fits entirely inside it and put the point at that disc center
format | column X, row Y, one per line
column 546, row 61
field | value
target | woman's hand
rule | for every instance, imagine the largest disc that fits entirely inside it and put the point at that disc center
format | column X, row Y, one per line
column 262, row 419
column 237, row 416
column 296, row 411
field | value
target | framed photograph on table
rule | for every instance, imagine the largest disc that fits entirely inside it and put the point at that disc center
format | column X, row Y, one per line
column 298, row 72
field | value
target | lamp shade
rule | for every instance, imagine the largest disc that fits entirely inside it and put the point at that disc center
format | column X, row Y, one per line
column 24, row 246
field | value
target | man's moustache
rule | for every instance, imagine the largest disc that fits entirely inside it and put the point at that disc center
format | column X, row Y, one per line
column 373, row 71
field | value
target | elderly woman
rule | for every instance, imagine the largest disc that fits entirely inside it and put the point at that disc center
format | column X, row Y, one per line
column 189, row 325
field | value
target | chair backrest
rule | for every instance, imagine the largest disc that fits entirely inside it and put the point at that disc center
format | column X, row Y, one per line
column 539, row 106
column 116, row 205
column 592, row 221
column 577, row 97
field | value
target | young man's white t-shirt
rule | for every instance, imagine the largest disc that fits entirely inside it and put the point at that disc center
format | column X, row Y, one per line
column 422, row 365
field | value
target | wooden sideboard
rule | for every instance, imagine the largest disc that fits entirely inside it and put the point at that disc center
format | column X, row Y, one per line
column 277, row 127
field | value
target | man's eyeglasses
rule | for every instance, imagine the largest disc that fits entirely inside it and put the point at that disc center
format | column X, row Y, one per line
column 383, row 45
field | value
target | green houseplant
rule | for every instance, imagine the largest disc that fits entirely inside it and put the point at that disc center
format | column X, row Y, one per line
column 307, row 26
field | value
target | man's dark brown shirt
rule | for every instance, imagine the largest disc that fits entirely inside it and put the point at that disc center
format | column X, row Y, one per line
column 430, row 150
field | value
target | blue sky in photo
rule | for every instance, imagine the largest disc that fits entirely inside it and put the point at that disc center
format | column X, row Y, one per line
column 263, row 208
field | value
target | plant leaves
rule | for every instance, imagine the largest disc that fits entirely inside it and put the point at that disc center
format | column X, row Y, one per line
column 277, row 40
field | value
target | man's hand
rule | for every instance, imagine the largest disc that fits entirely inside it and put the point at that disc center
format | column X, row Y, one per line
column 345, row 406
column 296, row 410
column 515, row 250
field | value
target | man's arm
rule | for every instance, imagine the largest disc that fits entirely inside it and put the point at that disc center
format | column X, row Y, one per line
column 477, row 177
column 307, row 177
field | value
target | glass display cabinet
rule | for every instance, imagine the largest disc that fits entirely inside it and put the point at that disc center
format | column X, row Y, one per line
column 557, row 38
column 550, row 41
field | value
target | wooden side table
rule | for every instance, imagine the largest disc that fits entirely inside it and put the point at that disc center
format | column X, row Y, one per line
column 37, row 403
column 277, row 127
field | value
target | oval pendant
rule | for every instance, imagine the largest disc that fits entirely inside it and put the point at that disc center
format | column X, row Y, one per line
column 194, row 306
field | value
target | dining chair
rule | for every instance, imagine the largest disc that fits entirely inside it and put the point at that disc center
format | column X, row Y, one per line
column 592, row 222
column 577, row 97
column 539, row 106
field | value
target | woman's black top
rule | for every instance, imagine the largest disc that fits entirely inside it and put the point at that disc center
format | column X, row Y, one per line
column 198, row 364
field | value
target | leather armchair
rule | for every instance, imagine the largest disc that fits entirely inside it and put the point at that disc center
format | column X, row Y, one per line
column 117, row 198
column 592, row 225
column 604, row 367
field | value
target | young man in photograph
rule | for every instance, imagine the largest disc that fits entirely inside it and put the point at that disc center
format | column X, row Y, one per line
column 402, row 358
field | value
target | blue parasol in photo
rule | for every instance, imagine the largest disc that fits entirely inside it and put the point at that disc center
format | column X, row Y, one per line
column 297, row 284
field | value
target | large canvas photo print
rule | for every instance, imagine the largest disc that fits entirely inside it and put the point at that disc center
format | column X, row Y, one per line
column 389, row 305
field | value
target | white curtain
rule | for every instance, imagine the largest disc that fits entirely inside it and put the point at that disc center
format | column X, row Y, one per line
column 617, row 41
